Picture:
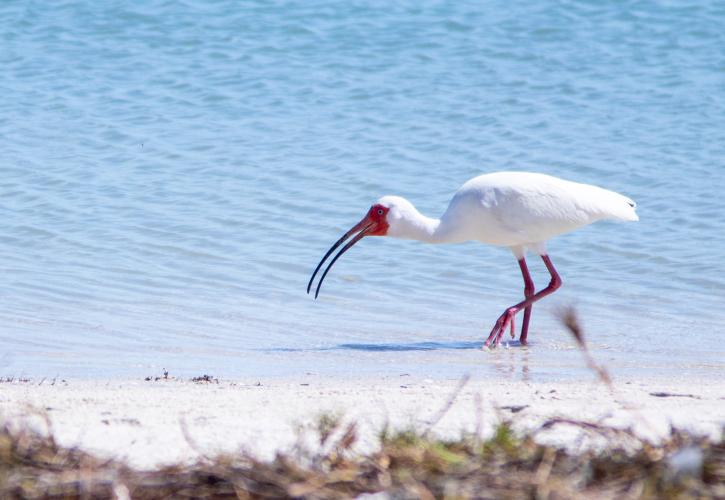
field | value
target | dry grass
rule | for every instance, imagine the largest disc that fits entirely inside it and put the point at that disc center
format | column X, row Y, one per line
column 408, row 465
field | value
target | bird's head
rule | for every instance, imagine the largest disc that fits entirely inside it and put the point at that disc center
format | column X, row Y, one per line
column 389, row 216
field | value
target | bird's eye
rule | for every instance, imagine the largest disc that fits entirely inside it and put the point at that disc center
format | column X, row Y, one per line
column 380, row 211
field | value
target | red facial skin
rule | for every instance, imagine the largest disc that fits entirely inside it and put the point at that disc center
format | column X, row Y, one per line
column 377, row 216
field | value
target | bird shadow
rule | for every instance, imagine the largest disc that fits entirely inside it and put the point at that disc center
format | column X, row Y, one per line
column 415, row 346
column 398, row 347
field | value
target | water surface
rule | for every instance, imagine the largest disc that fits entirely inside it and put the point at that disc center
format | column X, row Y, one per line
column 172, row 172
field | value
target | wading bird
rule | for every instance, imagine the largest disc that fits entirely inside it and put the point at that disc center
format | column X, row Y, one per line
column 519, row 210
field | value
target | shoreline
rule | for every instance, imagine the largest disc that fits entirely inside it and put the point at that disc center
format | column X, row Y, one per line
column 160, row 421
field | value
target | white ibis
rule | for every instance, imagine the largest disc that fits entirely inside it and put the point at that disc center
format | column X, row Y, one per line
column 519, row 210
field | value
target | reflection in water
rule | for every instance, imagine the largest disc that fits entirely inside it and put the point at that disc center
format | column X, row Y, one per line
column 509, row 361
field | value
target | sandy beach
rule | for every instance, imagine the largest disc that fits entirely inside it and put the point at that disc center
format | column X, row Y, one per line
column 153, row 422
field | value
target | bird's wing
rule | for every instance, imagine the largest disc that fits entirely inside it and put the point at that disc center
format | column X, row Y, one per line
column 534, row 207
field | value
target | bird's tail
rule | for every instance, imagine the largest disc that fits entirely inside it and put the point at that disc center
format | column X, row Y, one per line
column 605, row 204
column 620, row 207
column 630, row 210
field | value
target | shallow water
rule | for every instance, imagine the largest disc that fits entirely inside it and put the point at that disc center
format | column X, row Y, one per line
column 173, row 171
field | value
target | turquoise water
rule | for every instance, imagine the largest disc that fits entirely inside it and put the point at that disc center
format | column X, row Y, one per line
column 173, row 171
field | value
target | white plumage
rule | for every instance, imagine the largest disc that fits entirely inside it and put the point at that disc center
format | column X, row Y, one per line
column 522, row 208
column 518, row 210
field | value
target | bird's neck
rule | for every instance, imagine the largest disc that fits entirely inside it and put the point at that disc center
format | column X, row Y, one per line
column 416, row 226
column 424, row 229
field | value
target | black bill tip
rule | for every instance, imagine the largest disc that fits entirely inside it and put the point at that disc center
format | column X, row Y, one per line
column 357, row 238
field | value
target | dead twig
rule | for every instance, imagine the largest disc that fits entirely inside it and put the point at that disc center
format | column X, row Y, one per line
column 570, row 320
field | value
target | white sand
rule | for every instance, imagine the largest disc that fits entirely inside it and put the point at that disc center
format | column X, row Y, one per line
column 146, row 422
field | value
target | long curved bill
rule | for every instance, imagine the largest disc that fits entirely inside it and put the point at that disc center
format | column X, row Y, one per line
column 361, row 228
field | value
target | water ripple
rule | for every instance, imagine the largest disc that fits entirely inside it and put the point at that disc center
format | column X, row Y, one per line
column 172, row 172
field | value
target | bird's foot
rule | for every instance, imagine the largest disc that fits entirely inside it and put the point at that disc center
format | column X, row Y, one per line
column 507, row 319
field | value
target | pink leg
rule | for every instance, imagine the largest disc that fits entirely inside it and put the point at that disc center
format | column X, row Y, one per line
column 528, row 292
column 507, row 317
